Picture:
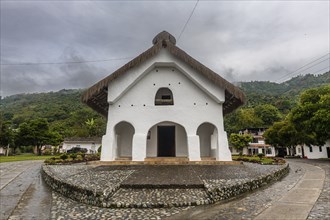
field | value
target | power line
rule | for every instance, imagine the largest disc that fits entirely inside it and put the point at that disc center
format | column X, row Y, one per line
column 67, row 62
column 321, row 70
column 185, row 25
column 284, row 76
column 311, row 66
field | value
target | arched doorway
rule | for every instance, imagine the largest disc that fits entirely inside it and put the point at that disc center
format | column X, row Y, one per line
column 167, row 139
column 208, row 139
column 124, row 132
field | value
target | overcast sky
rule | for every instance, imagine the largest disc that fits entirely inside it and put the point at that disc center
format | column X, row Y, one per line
column 240, row 40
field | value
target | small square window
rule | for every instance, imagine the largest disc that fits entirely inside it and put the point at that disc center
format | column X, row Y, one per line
column 310, row 149
column 320, row 148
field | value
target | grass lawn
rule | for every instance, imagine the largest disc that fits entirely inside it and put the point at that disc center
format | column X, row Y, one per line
column 264, row 160
column 23, row 157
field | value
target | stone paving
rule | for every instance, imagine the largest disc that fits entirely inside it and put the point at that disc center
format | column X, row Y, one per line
column 321, row 209
column 23, row 194
column 157, row 186
column 67, row 209
column 159, row 197
column 246, row 206
column 161, row 189
column 249, row 206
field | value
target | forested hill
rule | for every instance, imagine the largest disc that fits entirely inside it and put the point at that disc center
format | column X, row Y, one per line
column 291, row 87
column 67, row 115
column 63, row 110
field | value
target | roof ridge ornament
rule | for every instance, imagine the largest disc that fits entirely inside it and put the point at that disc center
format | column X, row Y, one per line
column 164, row 36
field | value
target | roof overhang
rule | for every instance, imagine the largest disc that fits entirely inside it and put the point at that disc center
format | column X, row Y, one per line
column 96, row 96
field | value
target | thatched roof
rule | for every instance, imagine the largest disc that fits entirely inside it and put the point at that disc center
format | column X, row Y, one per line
column 96, row 96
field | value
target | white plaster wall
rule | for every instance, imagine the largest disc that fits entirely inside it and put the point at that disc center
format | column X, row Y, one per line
column 121, row 85
column 152, row 143
column 235, row 151
column 273, row 152
column 206, row 139
column 196, row 100
column 299, row 151
column 181, row 144
column 316, row 154
column 124, row 137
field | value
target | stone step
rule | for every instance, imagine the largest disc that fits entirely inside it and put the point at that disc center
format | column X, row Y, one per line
column 166, row 159
column 169, row 162
column 157, row 198
column 163, row 177
column 208, row 158
column 123, row 159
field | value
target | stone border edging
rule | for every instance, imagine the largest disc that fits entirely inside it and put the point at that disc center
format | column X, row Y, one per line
column 102, row 199
column 243, row 186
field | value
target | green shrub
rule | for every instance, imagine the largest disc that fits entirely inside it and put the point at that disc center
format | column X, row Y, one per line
column 81, row 154
column 261, row 155
column 100, row 149
column 64, row 156
column 79, row 158
column 47, row 152
column 73, row 156
column 92, row 157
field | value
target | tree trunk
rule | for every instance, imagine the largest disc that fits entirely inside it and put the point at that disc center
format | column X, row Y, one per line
column 39, row 150
column 7, row 151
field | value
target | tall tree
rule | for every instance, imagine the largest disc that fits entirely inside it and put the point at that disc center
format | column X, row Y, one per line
column 312, row 115
column 7, row 136
column 239, row 141
column 268, row 114
column 308, row 123
column 37, row 133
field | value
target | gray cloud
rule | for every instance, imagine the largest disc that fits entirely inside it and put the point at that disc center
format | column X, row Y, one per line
column 239, row 40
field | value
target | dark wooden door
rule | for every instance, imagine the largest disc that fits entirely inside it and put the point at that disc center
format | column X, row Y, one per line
column 166, row 141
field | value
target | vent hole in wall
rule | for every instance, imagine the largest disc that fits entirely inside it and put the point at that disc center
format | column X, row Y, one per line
column 156, row 70
column 154, row 84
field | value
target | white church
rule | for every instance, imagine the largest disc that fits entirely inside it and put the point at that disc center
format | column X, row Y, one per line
column 164, row 104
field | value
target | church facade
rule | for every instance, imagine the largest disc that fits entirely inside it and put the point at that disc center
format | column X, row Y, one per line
column 164, row 103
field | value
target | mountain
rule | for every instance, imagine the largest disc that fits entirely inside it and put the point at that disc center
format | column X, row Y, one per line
column 282, row 95
column 68, row 115
column 291, row 87
column 63, row 110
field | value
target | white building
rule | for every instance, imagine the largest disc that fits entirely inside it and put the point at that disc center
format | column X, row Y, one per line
column 257, row 145
column 3, row 151
column 313, row 152
column 91, row 144
column 164, row 103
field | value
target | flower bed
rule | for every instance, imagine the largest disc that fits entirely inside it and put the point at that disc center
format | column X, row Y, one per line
column 260, row 160
column 72, row 158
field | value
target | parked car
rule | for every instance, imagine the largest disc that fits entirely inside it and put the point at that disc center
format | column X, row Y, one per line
column 77, row 150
